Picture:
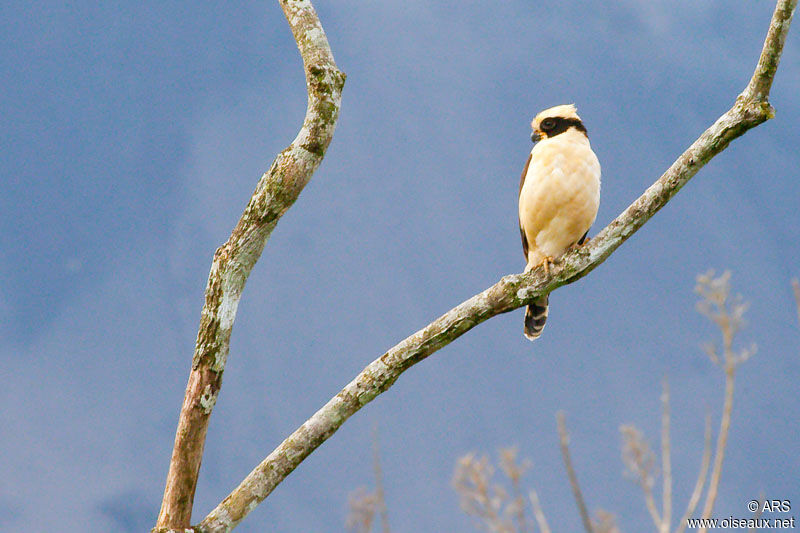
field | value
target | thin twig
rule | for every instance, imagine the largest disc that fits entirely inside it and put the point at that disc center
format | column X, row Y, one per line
column 722, row 443
column 604, row 522
column 478, row 497
column 538, row 513
column 728, row 316
column 522, row 522
column 650, row 502
column 379, row 491
column 511, row 292
column 514, row 470
column 362, row 509
column 563, row 441
column 796, row 289
column 701, row 477
column 758, row 512
column 639, row 460
column 666, row 462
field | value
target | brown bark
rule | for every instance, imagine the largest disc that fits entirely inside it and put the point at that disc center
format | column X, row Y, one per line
column 275, row 192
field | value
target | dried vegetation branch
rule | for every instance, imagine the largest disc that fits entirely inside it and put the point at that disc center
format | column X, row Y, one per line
column 640, row 465
column 563, row 442
column 499, row 510
column 604, row 522
column 380, row 492
column 365, row 505
column 666, row 462
column 538, row 513
column 697, row 492
column 495, row 508
column 727, row 312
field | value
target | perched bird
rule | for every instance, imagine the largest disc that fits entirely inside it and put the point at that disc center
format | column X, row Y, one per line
column 559, row 194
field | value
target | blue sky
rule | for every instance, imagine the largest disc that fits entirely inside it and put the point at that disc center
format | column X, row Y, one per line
column 133, row 135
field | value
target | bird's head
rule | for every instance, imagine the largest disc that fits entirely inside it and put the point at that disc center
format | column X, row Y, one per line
column 556, row 120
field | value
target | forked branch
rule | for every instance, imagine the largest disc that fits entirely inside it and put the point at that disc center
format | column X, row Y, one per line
column 750, row 109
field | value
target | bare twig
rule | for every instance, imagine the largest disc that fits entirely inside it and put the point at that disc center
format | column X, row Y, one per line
column 666, row 462
column 478, row 497
column 511, row 292
column 796, row 289
column 694, row 499
column 363, row 506
column 728, row 314
column 758, row 512
column 495, row 507
column 379, row 492
column 604, row 522
column 514, row 470
column 640, row 463
column 275, row 192
column 563, row 441
column 538, row 513
column 722, row 443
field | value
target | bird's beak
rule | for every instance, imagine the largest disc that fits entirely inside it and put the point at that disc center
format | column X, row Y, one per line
column 536, row 136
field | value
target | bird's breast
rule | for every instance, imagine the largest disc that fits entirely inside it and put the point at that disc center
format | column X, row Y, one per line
column 560, row 196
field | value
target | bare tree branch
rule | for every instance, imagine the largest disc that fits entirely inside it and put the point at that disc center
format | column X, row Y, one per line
column 511, row 292
column 761, row 82
column 563, row 441
column 275, row 192
column 796, row 289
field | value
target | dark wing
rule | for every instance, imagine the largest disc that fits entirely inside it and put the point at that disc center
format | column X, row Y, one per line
column 521, row 183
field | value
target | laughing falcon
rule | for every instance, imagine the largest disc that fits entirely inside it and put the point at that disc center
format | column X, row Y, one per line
column 559, row 193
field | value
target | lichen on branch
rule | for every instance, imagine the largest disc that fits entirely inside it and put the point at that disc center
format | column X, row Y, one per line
column 750, row 109
column 275, row 193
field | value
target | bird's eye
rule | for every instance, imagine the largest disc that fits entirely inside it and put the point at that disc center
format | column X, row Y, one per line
column 548, row 124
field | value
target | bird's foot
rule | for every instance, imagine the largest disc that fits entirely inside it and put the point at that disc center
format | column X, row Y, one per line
column 549, row 260
column 580, row 244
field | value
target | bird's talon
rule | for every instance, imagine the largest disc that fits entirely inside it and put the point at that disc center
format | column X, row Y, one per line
column 579, row 245
column 546, row 264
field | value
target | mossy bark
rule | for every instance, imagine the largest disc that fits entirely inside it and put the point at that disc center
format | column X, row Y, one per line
column 275, row 193
column 511, row 292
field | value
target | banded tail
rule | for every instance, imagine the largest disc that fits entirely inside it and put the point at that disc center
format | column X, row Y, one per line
column 535, row 317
